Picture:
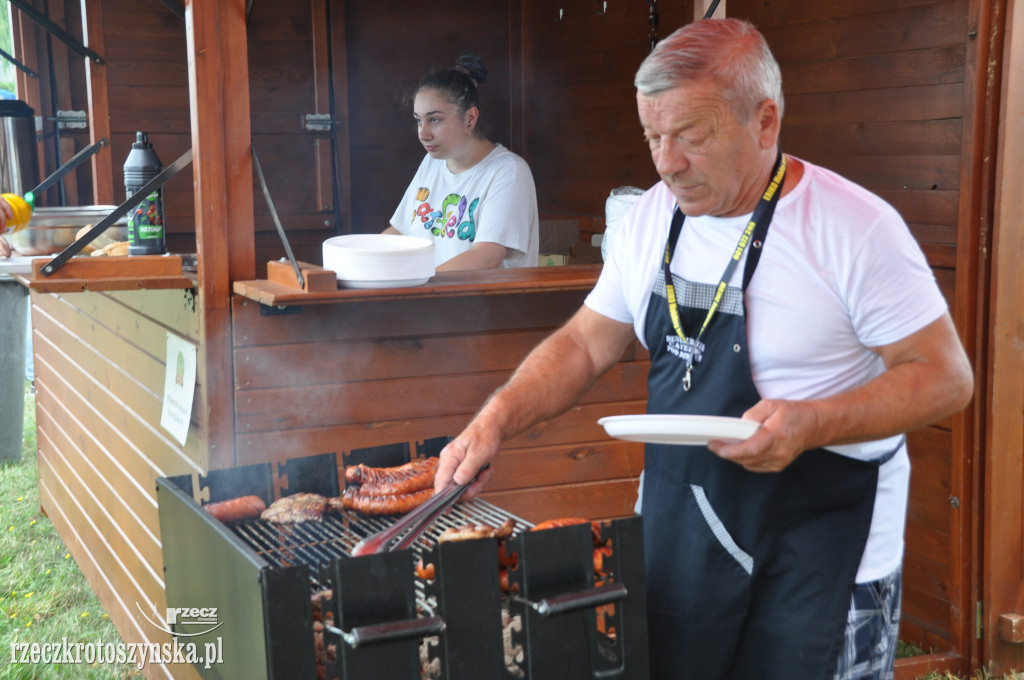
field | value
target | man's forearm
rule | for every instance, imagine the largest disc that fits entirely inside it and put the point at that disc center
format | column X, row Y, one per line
column 927, row 377
column 905, row 398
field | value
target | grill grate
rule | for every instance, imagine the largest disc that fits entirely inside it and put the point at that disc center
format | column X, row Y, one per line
column 317, row 543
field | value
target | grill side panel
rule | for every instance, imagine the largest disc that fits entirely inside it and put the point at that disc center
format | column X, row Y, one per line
column 469, row 598
column 205, row 567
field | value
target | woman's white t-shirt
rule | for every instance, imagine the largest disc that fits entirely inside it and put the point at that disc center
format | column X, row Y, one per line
column 839, row 273
column 495, row 201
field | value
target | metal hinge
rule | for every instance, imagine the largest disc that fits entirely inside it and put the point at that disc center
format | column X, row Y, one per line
column 979, row 613
column 72, row 120
column 318, row 122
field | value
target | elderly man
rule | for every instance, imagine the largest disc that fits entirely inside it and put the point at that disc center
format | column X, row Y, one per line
column 771, row 289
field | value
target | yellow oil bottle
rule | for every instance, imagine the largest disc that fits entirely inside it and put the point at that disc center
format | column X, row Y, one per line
column 22, row 209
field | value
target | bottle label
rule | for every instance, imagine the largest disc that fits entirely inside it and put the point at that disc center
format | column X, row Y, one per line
column 146, row 221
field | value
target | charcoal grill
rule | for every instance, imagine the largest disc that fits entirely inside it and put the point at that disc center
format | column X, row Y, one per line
column 377, row 619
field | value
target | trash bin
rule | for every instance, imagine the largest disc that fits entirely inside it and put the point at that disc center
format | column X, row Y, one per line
column 13, row 298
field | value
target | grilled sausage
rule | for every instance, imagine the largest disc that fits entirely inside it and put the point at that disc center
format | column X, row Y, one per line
column 417, row 482
column 559, row 522
column 234, row 509
column 365, row 474
column 595, row 527
column 354, row 499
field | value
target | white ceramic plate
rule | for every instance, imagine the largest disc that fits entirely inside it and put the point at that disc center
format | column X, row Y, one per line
column 673, row 429
column 392, row 283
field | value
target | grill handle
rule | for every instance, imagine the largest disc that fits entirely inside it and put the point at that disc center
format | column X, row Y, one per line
column 570, row 602
column 389, row 632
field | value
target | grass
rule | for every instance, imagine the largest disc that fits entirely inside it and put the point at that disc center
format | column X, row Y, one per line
column 43, row 596
column 906, row 650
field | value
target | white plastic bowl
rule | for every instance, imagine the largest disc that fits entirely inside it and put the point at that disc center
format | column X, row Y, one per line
column 379, row 260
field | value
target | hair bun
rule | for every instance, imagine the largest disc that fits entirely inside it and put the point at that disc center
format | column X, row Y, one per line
column 472, row 66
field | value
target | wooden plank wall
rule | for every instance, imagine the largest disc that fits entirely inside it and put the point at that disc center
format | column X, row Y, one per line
column 99, row 367
column 288, row 79
column 876, row 91
column 582, row 133
column 389, row 47
column 345, row 376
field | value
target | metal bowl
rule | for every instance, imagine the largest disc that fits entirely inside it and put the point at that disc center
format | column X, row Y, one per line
column 52, row 229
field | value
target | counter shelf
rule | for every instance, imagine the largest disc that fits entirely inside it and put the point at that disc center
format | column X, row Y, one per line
column 281, row 288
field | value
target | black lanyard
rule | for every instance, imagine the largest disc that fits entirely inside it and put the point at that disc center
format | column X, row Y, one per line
column 756, row 230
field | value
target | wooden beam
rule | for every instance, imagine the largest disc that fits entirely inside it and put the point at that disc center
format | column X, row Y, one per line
column 222, row 169
column 322, row 105
column 970, row 314
column 99, row 104
column 29, row 89
column 342, row 128
column 1004, row 451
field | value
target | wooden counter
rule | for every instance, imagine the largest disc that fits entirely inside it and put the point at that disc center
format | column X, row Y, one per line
column 283, row 290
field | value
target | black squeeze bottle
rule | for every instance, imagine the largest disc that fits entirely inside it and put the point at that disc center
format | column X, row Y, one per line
column 146, row 220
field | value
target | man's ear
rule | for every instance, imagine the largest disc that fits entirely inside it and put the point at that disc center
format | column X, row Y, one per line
column 770, row 123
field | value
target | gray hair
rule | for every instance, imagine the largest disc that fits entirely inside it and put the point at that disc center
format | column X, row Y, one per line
column 732, row 53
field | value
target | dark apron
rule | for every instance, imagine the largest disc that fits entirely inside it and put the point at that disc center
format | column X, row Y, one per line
column 749, row 575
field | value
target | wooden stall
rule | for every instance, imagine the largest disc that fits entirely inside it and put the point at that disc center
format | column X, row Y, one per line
column 918, row 100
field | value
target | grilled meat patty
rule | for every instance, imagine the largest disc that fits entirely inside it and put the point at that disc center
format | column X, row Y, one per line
column 299, row 507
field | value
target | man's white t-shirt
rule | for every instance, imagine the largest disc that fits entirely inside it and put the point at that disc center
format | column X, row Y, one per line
column 839, row 273
column 495, row 201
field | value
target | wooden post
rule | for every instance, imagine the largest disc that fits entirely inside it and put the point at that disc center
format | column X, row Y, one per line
column 1004, row 468
column 222, row 168
column 99, row 104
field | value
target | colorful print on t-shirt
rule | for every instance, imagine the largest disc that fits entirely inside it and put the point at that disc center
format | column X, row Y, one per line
column 447, row 221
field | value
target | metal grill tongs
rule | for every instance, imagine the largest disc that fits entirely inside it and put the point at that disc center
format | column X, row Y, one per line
column 405, row 531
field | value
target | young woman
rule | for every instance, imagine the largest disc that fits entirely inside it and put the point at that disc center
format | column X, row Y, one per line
column 473, row 198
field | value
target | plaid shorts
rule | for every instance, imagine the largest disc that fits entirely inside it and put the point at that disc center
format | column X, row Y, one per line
column 872, row 630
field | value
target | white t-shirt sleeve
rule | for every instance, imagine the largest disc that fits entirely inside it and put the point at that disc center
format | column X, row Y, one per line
column 508, row 210
column 893, row 293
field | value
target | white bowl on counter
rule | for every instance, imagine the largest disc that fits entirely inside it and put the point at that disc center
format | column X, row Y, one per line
column 379, row 260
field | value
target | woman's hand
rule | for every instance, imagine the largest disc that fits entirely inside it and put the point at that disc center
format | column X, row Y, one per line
column 5, row 248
